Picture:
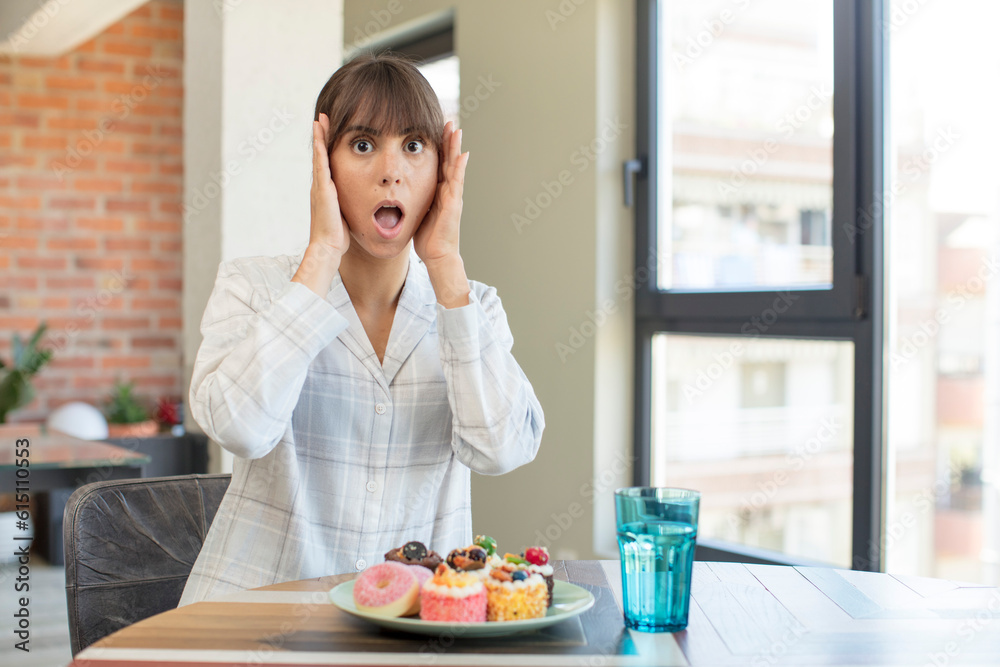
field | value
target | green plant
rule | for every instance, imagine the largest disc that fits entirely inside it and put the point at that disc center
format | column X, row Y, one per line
column 15, row 385
column 122, row 407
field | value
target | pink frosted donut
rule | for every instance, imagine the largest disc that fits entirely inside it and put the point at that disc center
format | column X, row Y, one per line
column 387, row 589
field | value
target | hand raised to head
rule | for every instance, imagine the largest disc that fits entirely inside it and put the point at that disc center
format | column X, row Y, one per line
column 329, row 236
column 437, row 236
column 327, row 225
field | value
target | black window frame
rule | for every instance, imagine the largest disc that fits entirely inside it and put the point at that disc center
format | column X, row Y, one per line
column 850, row 310
column 426, row 48
column 422, row 44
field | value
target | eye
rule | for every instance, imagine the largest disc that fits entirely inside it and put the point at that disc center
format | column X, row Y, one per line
column 362, row 146
column 415, row 146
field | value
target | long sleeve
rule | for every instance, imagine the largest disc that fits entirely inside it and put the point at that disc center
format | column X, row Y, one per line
column 497, row 420
column 368, row 456
column 260, row 333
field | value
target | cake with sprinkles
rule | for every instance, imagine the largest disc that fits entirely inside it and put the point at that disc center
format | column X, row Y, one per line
column 454, row 596
column 514, row 594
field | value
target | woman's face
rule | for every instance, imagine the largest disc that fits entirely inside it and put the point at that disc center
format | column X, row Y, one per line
column 385, row 186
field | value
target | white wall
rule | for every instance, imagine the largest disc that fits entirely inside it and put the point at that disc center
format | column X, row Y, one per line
column 252, row 72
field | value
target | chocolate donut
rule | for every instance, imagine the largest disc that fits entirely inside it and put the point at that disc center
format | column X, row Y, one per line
column 414, row 553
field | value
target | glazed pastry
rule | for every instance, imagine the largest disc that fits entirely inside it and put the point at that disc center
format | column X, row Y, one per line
column 469, row 558
column 414, row 553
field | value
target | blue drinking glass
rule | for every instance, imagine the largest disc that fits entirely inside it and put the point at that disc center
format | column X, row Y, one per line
column 657, row 528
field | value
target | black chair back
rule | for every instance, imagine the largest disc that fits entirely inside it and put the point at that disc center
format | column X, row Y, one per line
column 130, row 546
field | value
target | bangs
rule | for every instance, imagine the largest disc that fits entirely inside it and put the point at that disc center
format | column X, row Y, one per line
column 385, row 93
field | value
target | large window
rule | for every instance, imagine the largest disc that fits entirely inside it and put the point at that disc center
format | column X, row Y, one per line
column 763, row 427
column 746, row 119
column 943, row 305
column 758, row 341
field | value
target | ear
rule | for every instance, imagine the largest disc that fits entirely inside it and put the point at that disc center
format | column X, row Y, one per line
column 440, row 152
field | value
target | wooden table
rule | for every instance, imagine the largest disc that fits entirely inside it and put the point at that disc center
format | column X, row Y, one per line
column 57, row 464
column 57, row 460
column 758, row 615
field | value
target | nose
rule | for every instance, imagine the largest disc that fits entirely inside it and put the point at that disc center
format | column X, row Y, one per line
column 391, row 167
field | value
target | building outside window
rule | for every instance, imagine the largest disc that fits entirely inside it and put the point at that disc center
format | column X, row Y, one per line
column 826, row 303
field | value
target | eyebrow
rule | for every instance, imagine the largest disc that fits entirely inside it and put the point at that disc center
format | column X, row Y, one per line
column 372, row 131
column 363, row 128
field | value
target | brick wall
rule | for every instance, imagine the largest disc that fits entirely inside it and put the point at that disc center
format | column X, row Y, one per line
column 90, row 209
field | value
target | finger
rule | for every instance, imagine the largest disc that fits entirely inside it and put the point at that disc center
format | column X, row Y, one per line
column 443, row 153
column 455, row 150
column 455, row 178
column 321, row 161
column 317, row 163
column 324, row 133
column 448, row 151
column 449, row 140
column 324, row 122
column 318, row 151
column 459, row 174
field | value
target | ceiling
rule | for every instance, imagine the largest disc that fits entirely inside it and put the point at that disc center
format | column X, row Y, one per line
column 53, row 27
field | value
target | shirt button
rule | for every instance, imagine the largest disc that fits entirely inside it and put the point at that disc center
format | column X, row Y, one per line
column 380, row 408
column 361, row 564
column 371, row 486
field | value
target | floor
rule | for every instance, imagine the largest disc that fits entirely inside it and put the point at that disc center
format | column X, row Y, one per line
column 49, row 639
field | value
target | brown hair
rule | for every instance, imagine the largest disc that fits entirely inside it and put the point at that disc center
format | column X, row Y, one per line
column 385, row 92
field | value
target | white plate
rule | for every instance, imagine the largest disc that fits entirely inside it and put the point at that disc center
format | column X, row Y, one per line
column 568, row 600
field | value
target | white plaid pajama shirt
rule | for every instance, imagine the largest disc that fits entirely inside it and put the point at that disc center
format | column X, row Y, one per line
column 340, row 458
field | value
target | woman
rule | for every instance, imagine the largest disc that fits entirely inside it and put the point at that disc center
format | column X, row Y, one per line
column 358, row 385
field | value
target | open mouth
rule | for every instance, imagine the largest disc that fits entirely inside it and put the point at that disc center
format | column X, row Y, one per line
column 388, row 214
